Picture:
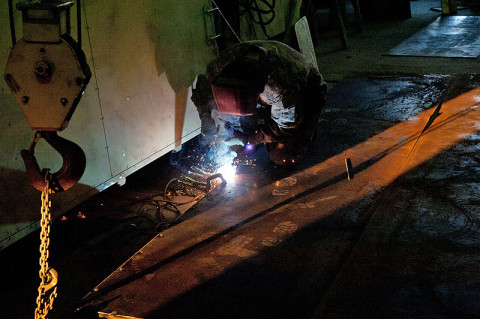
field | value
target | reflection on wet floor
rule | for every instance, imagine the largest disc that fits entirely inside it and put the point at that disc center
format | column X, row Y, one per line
column 448, row 36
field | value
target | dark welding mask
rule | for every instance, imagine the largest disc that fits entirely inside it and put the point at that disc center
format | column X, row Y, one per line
column 238, row 86
column 235, row 99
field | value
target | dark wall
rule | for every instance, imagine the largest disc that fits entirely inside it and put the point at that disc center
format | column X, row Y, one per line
column 383, row 10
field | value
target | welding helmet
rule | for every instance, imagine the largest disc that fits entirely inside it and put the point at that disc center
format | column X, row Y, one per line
column 237, row 88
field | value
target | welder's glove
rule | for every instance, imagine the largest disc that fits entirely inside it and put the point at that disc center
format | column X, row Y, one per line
column 235, row 142
column 208, row 129
column 258, row 138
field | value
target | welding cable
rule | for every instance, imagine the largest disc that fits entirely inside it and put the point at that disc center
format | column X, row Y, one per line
column 165, row 191
column 167, row 202
column 252, row 8
column 158, row 219
column 226, row 21
column 164, row 196
column 204, row 187
column 192, row 184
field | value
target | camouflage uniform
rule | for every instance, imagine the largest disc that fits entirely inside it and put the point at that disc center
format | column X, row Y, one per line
column 290, row 88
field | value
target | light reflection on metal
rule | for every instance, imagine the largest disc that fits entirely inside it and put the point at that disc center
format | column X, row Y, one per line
column 348, row 164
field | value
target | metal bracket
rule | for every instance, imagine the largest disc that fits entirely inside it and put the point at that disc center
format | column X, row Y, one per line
column 46, row 5
column 212, row 25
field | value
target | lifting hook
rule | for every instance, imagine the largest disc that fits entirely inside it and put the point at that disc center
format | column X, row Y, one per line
column 68, row 175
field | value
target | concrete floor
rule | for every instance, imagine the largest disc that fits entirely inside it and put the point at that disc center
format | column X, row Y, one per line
column 366, row 53
column 398, row 240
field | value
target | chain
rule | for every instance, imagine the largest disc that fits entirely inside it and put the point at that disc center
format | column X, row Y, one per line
column 48, row 276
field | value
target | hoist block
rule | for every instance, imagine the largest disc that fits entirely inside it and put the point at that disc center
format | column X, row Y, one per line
column 47, row 81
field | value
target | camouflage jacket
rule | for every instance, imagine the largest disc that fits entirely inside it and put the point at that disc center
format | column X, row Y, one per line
column 294, row 91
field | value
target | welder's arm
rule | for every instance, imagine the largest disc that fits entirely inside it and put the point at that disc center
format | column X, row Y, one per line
column 259, row 137
column 202, row 97
column 309, row 102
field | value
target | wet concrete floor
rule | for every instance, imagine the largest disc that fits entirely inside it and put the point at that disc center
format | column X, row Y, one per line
column 400, row 239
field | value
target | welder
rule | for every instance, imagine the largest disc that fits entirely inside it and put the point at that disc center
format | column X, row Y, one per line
column 275, row 92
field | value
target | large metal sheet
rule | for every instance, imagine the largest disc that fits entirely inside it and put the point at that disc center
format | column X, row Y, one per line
column 304, row 40
column 269, row 251
column 136, row 108
column 447, row 36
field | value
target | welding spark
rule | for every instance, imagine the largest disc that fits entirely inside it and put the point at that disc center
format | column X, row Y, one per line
column 249, row 147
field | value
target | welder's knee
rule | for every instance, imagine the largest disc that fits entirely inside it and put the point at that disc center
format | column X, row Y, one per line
column 286, row 154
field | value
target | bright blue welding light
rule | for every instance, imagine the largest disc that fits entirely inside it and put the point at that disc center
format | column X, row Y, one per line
column 249, row 147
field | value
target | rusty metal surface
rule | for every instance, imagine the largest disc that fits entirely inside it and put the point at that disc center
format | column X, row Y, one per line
column 447, row 36
column 396, row 240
